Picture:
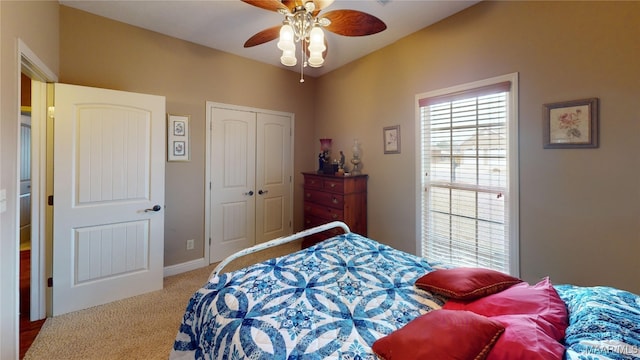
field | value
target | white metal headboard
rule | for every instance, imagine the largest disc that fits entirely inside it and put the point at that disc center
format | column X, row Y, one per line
column 278, row 241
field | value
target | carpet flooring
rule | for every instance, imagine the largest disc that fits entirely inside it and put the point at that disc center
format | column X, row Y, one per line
column 141, row 327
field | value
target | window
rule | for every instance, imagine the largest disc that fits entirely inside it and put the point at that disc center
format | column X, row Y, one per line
column 468, row 201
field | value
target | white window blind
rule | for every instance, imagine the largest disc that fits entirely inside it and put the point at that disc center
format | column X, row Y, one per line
column 466, row 175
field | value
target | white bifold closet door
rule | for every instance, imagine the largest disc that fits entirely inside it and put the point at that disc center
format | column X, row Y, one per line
column 250, row 177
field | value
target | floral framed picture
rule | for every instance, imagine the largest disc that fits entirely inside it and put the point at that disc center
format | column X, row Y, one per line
column 391, row 138
column 571, row 124
column 177, row 137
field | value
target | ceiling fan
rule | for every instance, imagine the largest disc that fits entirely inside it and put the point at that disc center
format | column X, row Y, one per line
column 303, row 24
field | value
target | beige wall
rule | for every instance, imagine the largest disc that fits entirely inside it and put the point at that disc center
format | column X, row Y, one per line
column 99, row 52
column 36, row 24
column 579, row 209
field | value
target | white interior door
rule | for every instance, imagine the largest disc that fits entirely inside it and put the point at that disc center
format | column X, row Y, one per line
column 233, row 191
column 109, row 158
column 273, row 176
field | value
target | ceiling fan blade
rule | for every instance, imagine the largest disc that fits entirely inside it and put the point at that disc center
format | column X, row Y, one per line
column 263, row 36
column 271, row 5
column 290, row 4
column 321, row 4
column 353, row 23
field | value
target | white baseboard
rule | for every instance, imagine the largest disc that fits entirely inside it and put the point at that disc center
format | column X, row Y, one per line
column 184, row 267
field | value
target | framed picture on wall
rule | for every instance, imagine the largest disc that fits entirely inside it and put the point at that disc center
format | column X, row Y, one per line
column 391, row 138
column 571, row 124
column 177, row 137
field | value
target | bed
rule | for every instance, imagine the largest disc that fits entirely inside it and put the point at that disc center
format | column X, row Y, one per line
column 350, row 297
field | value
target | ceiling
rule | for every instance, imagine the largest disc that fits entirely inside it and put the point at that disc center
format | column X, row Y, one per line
column 226, row 24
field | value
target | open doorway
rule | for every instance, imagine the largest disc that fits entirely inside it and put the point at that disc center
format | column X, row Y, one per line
column 28, row 329
column 32, row 78
column 25, row 195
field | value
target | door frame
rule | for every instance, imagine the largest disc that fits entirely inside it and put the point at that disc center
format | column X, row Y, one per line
column 208, row 176
column 34, row 68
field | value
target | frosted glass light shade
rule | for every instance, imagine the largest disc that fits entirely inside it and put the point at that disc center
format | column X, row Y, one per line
column 316, row 40
column 286, row 42
column 356, row 148
column 288, row 57
column 315, row 59
column 316, row 47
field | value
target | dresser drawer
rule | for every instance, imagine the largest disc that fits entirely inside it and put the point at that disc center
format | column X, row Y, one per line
column 323, row 212
column 324, row 198
column 313, row 182
column 334, row 185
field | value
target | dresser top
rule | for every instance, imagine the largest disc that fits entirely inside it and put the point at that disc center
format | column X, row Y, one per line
column 334, row 176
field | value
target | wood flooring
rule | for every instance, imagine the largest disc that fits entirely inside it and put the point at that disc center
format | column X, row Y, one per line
column 28, row 329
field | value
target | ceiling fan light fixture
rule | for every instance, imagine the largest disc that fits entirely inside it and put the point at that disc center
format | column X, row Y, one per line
column 316, row 47
column 315, row 59
column 303, row 24
column 286, row 42
column 288, row 58
column 316, row 39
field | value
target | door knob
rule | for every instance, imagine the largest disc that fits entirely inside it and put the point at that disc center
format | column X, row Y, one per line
column 262, row 192
column 154, row 208
column 250, row 193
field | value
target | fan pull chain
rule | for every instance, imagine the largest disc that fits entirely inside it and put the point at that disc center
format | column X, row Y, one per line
column 304, row 61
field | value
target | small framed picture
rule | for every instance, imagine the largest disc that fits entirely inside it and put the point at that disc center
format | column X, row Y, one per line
column 391, row 138
column 571, row 124
column 178, row 148
column 179, row 128
column 177, row 137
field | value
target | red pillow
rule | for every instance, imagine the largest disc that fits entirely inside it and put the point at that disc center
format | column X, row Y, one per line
column 466, row 283
column 441, row 334
column 538, row 300
column 526, row 337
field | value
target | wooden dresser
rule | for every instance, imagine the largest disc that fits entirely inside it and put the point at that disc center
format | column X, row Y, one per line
column 329, row 198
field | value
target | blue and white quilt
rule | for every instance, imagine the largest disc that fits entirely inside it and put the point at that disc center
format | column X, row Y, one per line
column 604, row 323
column 332, row 300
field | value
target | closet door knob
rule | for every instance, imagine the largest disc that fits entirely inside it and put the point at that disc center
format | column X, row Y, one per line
column 262, row 192
column 250, row 193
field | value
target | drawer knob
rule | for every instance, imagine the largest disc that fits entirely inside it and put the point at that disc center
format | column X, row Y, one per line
column 308, row 195
column 334, row 216
column 333, row 185
column 334, row 200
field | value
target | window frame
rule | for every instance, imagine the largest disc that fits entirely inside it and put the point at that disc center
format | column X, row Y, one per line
column 512, row 160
